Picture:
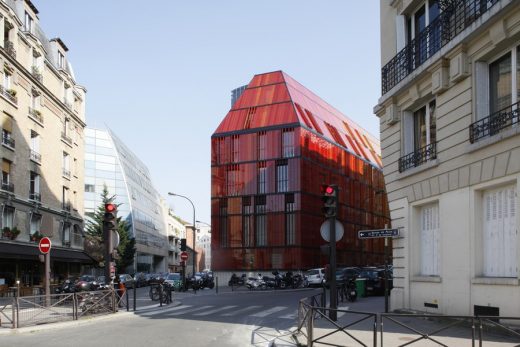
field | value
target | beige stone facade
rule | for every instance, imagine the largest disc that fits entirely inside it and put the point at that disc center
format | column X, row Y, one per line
column 42, row 117
column 450, row 139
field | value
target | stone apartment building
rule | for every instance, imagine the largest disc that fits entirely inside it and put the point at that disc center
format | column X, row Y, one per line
column 42, row 117
column 450, row 141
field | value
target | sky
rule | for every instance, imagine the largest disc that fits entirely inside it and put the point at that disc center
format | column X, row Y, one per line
column 160, row 73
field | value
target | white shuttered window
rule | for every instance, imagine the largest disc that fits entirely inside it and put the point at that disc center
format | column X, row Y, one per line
column 430, row 240
column 500, row 232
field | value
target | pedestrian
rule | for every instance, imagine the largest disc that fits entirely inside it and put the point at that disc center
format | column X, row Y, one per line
column 117, row 289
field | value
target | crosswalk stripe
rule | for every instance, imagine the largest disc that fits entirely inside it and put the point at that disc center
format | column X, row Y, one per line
column 176, row 308
column 190, row 311
column 242, row 310
column 266, row 313
column 206, row 313
column 291, row 315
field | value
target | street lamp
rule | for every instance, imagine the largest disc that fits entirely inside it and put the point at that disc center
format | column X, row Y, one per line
column 194, row 227
column 209, row 225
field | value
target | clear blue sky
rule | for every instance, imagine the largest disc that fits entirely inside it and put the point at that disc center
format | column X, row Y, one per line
column 159, row 73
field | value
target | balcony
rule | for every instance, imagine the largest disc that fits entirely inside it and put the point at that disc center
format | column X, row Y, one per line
column 418, row 157
column 35, row 156
column 7, row 186
column 66, row 173
column 494, row 123
column 66, row 206
column 454, row 18
column 36, row 114
column 35, row 71
column 9, row 49
column 8, row 141
column 35, row 196
column 9, row 94
column 66, row 138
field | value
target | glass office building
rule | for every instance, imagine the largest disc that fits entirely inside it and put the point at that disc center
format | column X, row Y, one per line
column 109, row 162
column 270, row 155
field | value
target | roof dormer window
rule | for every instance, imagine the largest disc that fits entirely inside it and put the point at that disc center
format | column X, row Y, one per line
column 29, row 23
column 61, row 60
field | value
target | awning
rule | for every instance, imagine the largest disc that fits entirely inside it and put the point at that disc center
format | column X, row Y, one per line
column 31, row 252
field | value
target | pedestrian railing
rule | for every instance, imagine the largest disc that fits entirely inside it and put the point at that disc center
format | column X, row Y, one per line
column 356, row 328
column 96, row 303
column 7, row 312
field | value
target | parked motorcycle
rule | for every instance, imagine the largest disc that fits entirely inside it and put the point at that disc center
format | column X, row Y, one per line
column 236, row 281
column 256, row 283
column 68, row 286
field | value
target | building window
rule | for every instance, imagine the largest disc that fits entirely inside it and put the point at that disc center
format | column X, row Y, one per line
column 235, row 148
column 424, row 123
column 90, row 188
column 7, row 138
column 66, row 231
column 290, row 220
column 8, row 217
column 430, row 240
column 233, row 180
column 7, row 80
column 28, row 24
column 35, row 142
column 66, row 164
column 6, row 173
column 34, row 186
column 500, row 257
column 65, row 197
column 426, row 42
column 282, row 176
column 247, row 221
column 504, row 90
column 224, row 239
column 261, row 221
column 36, row 222
column 262, row 145
column 288, row 143
column 262, row 178
column 61, row 60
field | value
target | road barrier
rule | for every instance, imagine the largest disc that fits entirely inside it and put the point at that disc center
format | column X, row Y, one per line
column 361, row 328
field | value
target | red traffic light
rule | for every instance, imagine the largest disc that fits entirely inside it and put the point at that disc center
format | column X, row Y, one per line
column 329, row 190
column 110, row 207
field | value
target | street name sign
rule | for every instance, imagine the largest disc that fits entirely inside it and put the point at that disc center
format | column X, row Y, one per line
column 184, row 256
column 371, row 234
column 44, row 245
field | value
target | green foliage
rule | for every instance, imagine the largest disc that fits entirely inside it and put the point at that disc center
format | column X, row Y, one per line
column 94, row 230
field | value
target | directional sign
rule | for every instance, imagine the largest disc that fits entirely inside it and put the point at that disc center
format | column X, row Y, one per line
column 45, row 245
column 370, row 234
column 325, row 230
column 184, row 256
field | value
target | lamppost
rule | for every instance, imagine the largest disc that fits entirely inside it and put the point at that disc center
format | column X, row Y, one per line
column 194, row 228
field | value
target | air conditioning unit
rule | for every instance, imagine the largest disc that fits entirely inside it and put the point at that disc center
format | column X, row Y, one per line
column 392, row 114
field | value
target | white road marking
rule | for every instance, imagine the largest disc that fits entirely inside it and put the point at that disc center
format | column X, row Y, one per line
column 207, row 313
column 242, row 310
column 292, row 315
column 266, row 313
column 153, row 313
column 190, row 311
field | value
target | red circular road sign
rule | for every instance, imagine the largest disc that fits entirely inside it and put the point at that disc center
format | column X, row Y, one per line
column 45, row 245
column 184, row 256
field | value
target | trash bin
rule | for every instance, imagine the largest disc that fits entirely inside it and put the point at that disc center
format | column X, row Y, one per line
column 361, row 284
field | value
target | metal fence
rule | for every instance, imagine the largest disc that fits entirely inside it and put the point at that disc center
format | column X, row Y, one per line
column 357, row 328
column 26, row 311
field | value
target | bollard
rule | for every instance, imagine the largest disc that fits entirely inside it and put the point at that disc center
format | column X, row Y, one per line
column 160, row 295
column 216, row 284
column 310, row 316
column 134, row 298
column 127, row 303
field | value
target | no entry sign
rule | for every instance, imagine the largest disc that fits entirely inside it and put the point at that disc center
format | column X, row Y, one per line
column 184, row 256
column 45, row 245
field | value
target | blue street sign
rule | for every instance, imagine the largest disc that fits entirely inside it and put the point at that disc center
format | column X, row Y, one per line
column 370, row 234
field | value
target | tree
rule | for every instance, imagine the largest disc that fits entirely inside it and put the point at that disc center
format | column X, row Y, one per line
column 94, row 239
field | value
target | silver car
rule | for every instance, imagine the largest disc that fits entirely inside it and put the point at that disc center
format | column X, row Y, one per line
column 316, row 276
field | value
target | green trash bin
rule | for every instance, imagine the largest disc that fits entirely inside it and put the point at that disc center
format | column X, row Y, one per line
column 361, row 284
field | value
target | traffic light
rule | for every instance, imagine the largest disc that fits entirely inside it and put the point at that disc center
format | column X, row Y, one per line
column 183, row 245
column 110, row 218
column 330, row 200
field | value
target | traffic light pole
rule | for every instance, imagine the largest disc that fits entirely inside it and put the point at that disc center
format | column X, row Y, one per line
column 108, row 253
column 333, row 314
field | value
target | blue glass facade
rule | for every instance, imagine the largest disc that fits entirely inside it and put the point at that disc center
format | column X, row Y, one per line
column 109, row 162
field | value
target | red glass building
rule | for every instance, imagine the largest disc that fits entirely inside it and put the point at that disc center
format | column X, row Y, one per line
column 270, row 155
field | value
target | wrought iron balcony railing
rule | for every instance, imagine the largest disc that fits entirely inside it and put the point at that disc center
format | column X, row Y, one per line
column 10, row 94
column 9, row 49
column 35, row 196
column 66, row 173
column 494, row 123
column 36, row 114
column 8, row 141
column 456, row 16
column 419, row 157
column 8, row 186
column 35, row 156
column 66, row 138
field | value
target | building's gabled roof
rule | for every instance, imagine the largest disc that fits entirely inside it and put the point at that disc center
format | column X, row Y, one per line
column 276, row 99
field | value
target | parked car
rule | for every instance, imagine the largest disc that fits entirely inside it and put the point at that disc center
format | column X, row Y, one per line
column 346, row 273
column 86, row 283
column 127, row 280
column 316, row 276
column 140, row 279
column 375, row 278
column 174, row 280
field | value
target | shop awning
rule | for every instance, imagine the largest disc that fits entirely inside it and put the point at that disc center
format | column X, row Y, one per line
column 31, row 252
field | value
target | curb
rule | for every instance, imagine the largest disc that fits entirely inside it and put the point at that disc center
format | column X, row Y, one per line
column 84, row 321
